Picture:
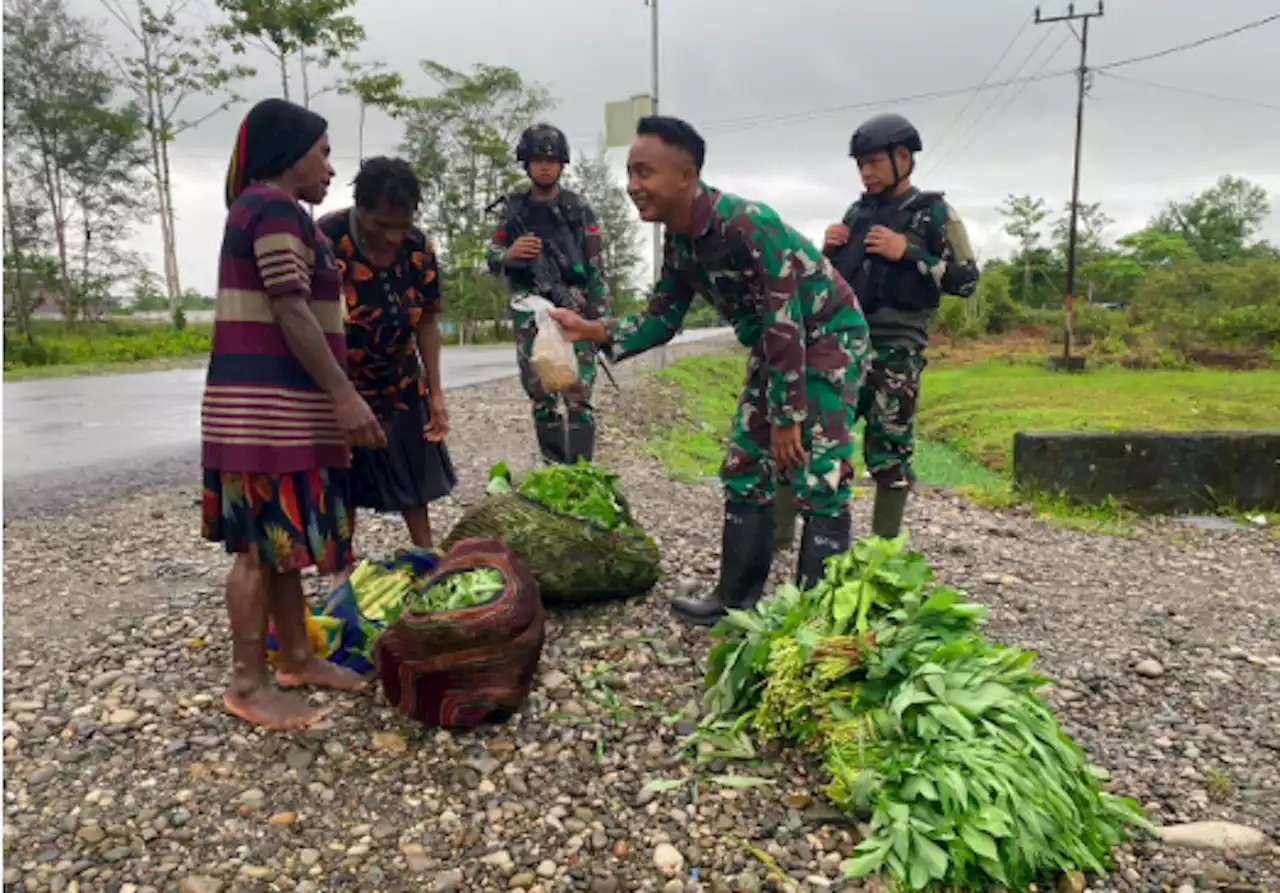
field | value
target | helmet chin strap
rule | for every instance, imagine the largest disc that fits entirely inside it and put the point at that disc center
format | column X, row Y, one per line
column 898, row 176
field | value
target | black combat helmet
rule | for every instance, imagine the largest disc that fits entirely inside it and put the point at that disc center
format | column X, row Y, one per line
column 542, row 141
column 882, row 133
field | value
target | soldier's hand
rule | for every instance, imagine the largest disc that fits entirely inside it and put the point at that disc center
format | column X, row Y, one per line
column 525, row 248
column 886, row 243
column 578, row 329
column 788, row 450
column 837, row 234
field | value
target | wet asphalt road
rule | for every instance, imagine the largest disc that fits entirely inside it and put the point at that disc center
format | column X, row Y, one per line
column 70, row 441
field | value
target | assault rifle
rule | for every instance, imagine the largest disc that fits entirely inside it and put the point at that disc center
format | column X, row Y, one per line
column 548, row 270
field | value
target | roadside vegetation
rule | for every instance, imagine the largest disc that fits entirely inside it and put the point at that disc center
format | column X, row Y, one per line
column 970, row 411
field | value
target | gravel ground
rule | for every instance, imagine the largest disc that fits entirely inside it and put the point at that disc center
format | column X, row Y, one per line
column 122, row 773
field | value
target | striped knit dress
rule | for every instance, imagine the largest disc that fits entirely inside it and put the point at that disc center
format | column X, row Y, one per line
column 276, row 463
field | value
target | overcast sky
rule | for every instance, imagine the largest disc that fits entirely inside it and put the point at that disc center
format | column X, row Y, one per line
column 777, row 88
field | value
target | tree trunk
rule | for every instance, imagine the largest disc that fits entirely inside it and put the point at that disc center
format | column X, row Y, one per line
column 171, row 271
column 284, row 73
column 306, row 83
column 1026, row 277
column 22, row 301
column 53, row 192
column 360, row 133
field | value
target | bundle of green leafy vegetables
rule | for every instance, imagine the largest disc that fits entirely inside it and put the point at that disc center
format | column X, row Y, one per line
column 583, row 491
column 457, row 591
column 934, row 732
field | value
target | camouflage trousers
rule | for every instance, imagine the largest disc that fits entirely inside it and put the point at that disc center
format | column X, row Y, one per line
column 824, row 485
column 546, row 407
column 888, row 403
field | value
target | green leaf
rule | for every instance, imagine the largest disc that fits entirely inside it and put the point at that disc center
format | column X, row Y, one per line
column 870, row 855
column 933, row 857
column 740, row 781
column 658, row 785
column 919, row 786
column 952, row 719
column 982, row 844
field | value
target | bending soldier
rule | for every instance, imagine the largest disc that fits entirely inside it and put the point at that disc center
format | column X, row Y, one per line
column 808, row 342
column 900, row 249
column 548, row 243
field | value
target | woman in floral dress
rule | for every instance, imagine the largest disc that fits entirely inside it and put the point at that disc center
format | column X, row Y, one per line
column 391, row 292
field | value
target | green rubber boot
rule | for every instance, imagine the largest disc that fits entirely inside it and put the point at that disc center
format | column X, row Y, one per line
column 784, row 531
column 886, row 515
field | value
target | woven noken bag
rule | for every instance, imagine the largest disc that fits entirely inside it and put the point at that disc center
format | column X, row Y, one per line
column 459, row 669
column 572, row 560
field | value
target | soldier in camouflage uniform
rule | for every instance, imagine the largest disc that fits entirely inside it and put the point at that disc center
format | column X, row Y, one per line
column 809, row 350
column 900, row 249
column 548, row 243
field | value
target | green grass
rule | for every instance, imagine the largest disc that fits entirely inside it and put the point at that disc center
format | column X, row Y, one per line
column 977, row 409
column 969, row 414
column 89, row 347
column 707, row 388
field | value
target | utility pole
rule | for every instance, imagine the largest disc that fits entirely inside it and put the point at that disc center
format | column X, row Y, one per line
column 1082, row 73
column 657, row 227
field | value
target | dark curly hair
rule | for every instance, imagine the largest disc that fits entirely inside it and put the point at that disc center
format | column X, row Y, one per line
column 390, row 180
column 675, row 132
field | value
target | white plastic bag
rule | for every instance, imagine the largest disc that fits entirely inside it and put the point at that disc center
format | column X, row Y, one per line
column 553, row 357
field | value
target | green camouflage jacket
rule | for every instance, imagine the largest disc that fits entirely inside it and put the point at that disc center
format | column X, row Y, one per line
column 775, row 288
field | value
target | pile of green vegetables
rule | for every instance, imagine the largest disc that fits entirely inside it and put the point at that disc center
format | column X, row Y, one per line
column 458, row 591
column 925, row 727
column 383, row 595
column 583, row 491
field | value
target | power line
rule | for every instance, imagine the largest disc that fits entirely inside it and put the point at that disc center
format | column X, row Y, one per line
column 971, row 131
column 748, row 121
column 736, row 124
column 1190, row 92
column 1189, row 46
column 1026, row 23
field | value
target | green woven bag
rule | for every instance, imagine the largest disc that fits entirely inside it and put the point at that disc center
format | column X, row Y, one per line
column 572, row 559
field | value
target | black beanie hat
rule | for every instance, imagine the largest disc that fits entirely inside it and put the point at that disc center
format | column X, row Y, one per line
column 274, row 136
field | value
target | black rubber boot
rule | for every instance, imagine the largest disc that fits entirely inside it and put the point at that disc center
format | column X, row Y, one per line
column 784, row 535
column 582, row 441
column 551, row 441
column 745, row 559
column 886, row 515
column 824, row 536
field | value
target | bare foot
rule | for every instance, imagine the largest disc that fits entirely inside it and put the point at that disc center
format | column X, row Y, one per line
column 321, row 673
column 273, row 709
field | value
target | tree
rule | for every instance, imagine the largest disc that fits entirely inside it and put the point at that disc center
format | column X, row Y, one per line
column 58, row 96
column 461, row 142
column 1000, row 313
column 25, row 234
column 374, row 87
column 592, row 178
column 1218, row 222
column 313, row 31
column 107, row 186
column 1024, row 217
column 170, row 66
column 1091, row 225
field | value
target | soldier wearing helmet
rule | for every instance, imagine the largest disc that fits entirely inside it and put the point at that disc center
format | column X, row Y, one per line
column 548, row 242
column 900, row 249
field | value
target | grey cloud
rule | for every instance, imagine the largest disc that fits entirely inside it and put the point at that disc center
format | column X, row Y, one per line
column 728, row 60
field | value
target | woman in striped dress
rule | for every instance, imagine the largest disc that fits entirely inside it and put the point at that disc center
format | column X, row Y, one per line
column 279, row 415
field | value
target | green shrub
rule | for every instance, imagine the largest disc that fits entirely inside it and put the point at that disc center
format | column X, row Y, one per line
column 104, row 343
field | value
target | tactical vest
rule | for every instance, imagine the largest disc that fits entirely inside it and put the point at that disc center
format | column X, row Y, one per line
column 560, row 223
column 883, row 283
